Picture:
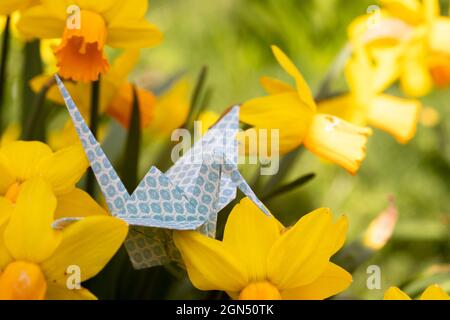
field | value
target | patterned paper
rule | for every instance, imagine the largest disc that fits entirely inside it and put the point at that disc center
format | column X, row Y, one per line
column 187, row 197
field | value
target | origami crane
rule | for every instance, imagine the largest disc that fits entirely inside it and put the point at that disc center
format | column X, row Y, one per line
column 187, row 197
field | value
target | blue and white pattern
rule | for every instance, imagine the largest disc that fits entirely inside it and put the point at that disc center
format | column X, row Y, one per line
column 187, row 197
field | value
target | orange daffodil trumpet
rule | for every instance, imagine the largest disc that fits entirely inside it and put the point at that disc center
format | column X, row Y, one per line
column 116, row 92
column 293, row 111
column 366, row 104
column 35, row 259
column 80, row 55
column 260, row 259
column 433, row 292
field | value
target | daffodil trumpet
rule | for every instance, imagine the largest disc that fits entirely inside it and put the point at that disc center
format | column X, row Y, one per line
column 86, row 32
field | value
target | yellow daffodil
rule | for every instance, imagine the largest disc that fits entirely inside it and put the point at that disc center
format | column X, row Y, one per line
column 260, row 259
column 413, row 37
column 35, row 259
column 116, row 92
column 11, row 133
column 433, row 292
column 80, row 54
column 21, row 161
column 293, row 112
column 367, row 105
column 171, row 108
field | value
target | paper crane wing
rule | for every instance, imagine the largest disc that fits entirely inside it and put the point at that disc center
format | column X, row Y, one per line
column 157, row 202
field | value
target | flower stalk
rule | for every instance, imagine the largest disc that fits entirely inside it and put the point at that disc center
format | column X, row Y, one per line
column 94, row 121
column 3, row 66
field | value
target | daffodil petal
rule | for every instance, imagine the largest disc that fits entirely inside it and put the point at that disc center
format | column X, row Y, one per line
column 29, row 235
column 275, row 86
column 125, row 11
column 302, row 87
column 250, row 234
column 58, row 7
column 415, row 79
column 6, row 174
column 408, row 10
column 171, row 109
column 24, row 157
column 340, row 229
column 394, row 293
column 134, row 34
column 342, row 106
column 438, row 35
column 55, row 292
column 434, row 292
column 285, row 112
column 5, row 256
column 302, row 253
column 210, row 263
column 6, row 208
column 332, row 281
column 89, row 243
column 77, row 203
column 65, row 168
column 37, row 22
column 9, row 6
column 96, row 6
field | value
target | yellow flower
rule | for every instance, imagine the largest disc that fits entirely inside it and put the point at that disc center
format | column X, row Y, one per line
column 260, row 259
column 294, row 113
column 414, row 39
column 21, row 161
column 80, row 55
column 171, row 108
column 11, row 133
column 208, row 119
column 35, row 258
column 7, row 7
column 433, row 292
column 116, row 92
column 67, row 135
column 367, row 105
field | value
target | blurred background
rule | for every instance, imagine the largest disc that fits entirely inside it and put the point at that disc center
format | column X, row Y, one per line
column 232, row 38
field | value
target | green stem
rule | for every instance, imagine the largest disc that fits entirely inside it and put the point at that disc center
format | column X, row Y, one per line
column 94, row 121
column 132, row 148
column 3, row 62
column 36, row 121
column 32, row 66
column 289, row 187
column 195, row 106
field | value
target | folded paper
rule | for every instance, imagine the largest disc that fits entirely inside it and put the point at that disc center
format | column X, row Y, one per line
column 187, row 197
